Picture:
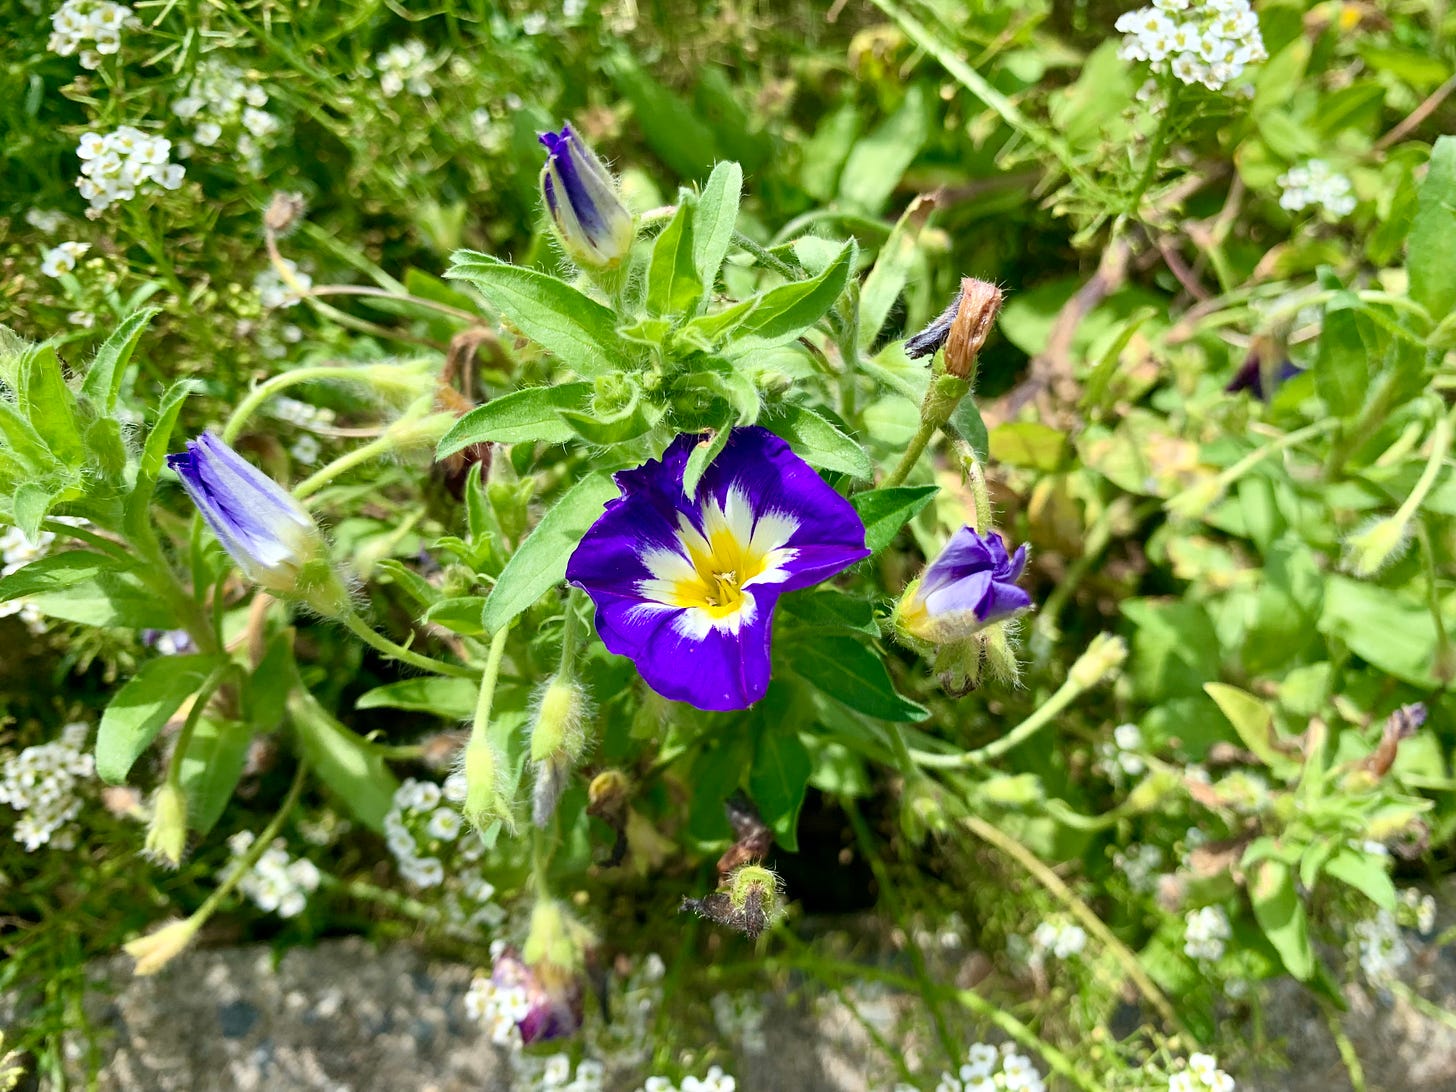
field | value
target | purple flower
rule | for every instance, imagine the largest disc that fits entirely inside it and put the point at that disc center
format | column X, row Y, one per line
column 593, row 225
column 970, row 585
column 687, row 587
column 267, row 533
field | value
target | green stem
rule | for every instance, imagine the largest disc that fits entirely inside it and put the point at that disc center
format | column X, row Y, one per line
column 266, row 390
column 1067, row 693
column 383, row 644
column 189, row 726
column 572, row 631
column 255, row 852
column 1159, row 142
column 486, row 698
column 766, row 258
column 1290, row 439
column 978, row 85
column 912, row 455
column 1440, row 447
column 380, row 445
column 993, row 835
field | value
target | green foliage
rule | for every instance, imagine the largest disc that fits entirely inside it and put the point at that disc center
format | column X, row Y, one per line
column 405, row 346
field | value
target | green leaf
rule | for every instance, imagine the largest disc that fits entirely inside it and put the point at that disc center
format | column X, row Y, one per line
column 1431, row 258
column 778, row 780
column 673, row 286
column 1392, row 630
column 31, row 504
column 159, row 439
column 574, row 327
column 88, row 587
column 1281, row 915
column 892, row 270
column 670, row 126
column 831, row 609
column 21, row 440
column 818, row 441
column 140, row 708
column 103, row 379
column 1342, row 365
column 527, row 416
column 540, row 563
column 211, row 767
column 460, row 614
column 1366, row 873
column 967, row 421
column 49, row 404
column 877, row 162
column 853, row 674
column 735, row 388
column 783, row 313
column 449, row 699
column 885, row 511
column 714, row 221
column 348, row 765
column 1028, row 443
column 702, row 457
column 1254, row 723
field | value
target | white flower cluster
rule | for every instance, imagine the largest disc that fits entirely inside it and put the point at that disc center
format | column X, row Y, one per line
column 276, row 883
column 1199, row 41
column 499, row 1008
column 1382, row 950
column 1207, row 929
column 45, row 221
column 715, row 1080
column 118, row 165
column 222, row 99
column 1202, row 1075
column 302, row 414
column 44, row 784
column 1120, row 755
column 424, row 831
column 91, row 28
column 1421, row 909
column 987, row 1069
column 406, row 67
column 61, row 258
column 557, row 1076
column 1063, row 940
column 1314, row 184
column 274, row 291
column 1140, row 863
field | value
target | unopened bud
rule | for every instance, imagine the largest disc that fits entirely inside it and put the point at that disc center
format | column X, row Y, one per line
column 557, row 743
column 1376, row 545
column 159, row 947
column 1104, row 655
column 749, row 900
column 284, row 213
column 167, row 831
column 485, row 802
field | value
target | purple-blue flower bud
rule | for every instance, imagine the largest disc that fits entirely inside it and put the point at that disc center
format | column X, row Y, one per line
column 970, row 585
column 270, row 536
column 594, row 227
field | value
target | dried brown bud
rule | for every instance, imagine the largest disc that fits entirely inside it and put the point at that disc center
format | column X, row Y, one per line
column 962, row 328
column 750, row 900
column 979, row 305
column 284, row 213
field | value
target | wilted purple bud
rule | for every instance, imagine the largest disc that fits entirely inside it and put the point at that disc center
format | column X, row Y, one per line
column 594, row 227
column 1251, row 376
column 270, row 536
column 970, row 585
column 169, row 642
column 540, row 1011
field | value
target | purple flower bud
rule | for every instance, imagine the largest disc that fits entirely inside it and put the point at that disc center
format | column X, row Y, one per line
column 540, row 1010
column 593, row 225
column 970, row 585
column 266, row 531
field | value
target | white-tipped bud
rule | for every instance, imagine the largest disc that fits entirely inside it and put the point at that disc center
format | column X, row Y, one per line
column 159, row 947
column 1378, row 544
column 167, row 830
